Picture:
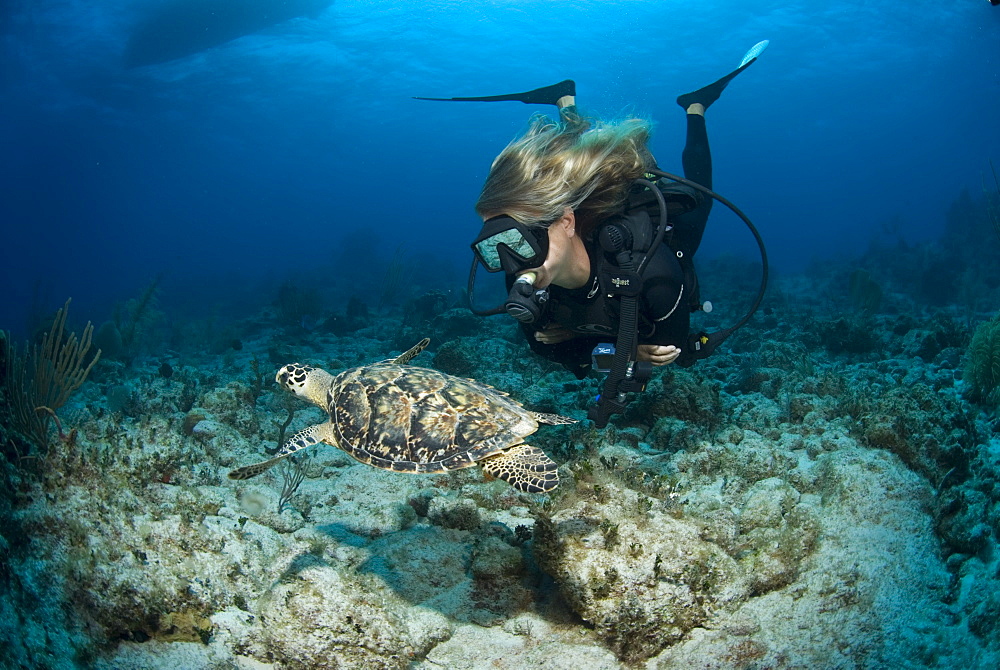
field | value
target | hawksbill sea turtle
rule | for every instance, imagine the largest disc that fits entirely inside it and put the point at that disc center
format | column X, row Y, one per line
column 410, row 419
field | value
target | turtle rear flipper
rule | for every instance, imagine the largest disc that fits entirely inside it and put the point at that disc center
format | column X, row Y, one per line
column 303, row 439
column 524, row 467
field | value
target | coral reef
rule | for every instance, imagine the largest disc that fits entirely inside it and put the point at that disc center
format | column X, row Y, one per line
column 824, row 493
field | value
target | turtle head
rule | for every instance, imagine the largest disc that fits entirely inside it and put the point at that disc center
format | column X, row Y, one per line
column 306, row 382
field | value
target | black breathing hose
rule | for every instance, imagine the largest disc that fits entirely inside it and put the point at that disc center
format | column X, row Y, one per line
column 756, row 235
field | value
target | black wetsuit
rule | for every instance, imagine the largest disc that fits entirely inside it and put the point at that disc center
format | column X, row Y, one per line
column 669, row 288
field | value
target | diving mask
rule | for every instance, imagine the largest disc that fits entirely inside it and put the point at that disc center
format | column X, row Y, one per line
column 508, row 245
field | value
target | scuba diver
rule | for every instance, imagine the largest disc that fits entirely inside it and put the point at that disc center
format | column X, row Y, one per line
column 597, row 243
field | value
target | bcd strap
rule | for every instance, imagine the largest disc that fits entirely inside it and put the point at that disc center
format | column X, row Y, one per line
column 627, row 375
column 617, row 384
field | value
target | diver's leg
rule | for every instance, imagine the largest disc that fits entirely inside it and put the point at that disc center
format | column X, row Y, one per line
column 697, row 157
column 697, row 162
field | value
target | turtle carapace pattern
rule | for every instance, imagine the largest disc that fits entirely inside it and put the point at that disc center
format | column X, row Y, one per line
column 410, row 419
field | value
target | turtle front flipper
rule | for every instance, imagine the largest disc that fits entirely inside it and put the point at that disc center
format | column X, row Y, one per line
column 303, row 439
column 409, row 355
column 524, row 467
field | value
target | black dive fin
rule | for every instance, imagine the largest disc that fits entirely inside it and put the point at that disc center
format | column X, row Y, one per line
column 547, row 95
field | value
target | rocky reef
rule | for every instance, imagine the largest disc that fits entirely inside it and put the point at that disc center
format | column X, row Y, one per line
column 823, row 493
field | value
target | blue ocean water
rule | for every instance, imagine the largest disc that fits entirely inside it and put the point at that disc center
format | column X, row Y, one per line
column 299, row 146
column 252, row 158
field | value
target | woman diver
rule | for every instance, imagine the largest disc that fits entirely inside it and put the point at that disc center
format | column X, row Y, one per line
column 547, row 205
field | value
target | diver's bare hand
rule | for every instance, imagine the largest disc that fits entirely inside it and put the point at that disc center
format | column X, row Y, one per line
column 553, row 334
column 658, row 354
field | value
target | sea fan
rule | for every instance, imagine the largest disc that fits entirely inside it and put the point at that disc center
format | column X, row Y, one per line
column 982, row 368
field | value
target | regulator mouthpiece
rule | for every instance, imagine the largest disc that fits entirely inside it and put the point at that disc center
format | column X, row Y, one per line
column 524, row 302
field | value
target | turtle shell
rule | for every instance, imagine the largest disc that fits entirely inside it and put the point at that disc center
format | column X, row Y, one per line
column 413, row 419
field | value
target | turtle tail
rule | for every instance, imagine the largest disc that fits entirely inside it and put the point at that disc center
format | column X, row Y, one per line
column 551, row 419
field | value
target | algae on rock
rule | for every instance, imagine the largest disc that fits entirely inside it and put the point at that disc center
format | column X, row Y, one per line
column 643, row 582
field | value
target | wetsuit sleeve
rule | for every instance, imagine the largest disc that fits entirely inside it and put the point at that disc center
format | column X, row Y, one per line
column 574, row 354
column 665, row 300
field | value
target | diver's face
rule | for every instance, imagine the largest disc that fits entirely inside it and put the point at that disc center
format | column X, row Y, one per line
column 551, row 270
column 567, row 263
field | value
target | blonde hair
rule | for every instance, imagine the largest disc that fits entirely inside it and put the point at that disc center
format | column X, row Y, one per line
column 570, row 163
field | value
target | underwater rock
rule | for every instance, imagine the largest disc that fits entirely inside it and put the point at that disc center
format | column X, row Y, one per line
column 122, row 400
column 426, row 566
column 456, row 358
column 192, row 419
column 360, row 500
column 462, row 514
column 233, row 406
column 280, row 354
column 494, row 558
column 439, row 324
column 776, row 534
column 753, row 459
column 530, row 642
column 208, row 429
column 642, row 579
column 323, row 618
column 847, row 335
column 928, row 430
column 670, row 434
column 766, row 504
column 927, row 343
column 961, row 522
column 546, row 393
column 493, row 361
column 788, row 534
column 981, row 604
column 683, row 395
